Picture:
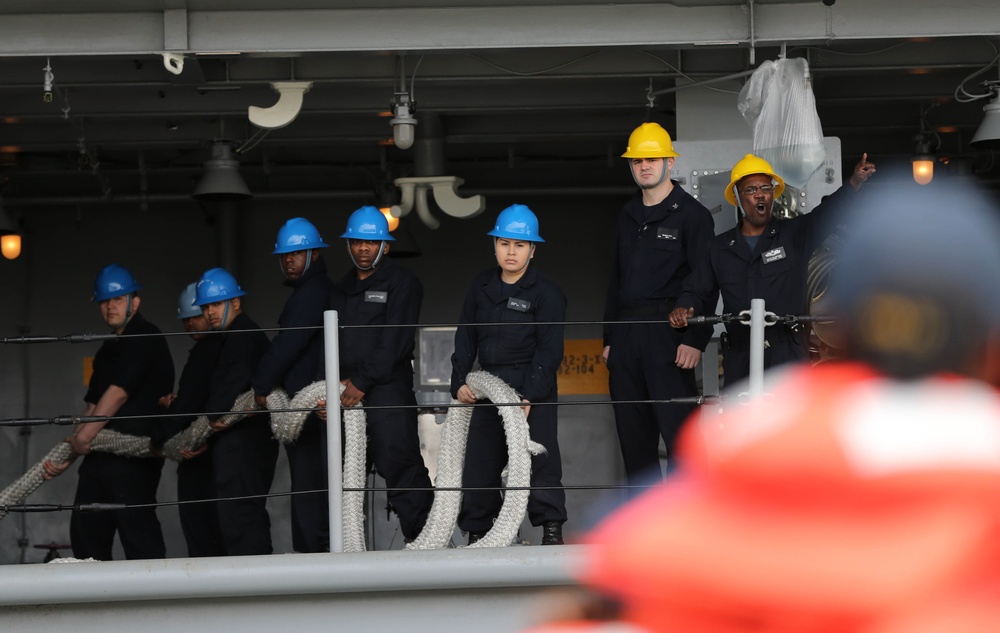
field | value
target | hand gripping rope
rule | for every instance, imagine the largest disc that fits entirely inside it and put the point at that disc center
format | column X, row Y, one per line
column 443, row 515
column 286, row 427
column 107, row 441
column 444, row 511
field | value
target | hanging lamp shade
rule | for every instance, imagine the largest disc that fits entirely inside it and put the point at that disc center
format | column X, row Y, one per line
column 988, row 134
column 222, row 180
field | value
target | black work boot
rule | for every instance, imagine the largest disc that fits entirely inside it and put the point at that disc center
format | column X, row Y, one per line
column 475, row 536
column 552, row 533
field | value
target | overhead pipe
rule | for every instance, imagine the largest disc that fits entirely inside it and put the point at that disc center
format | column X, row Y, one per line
column 72, row 201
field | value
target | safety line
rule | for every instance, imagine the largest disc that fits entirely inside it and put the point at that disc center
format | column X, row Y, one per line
column 114, row 507
column 71, row 420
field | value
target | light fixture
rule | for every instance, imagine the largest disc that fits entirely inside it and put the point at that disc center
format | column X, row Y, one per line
column 404, row 126
column 390, row 218
column 403, row 123
column 10, row 244
column 923, row 164
column 10, row 238
column 222, row 180
column 988, row 134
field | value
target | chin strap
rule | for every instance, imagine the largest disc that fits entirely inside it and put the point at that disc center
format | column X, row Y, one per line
column 378, row 258
column 308, row 261
column 225, row 317
column 663, row 176
column 281, row 265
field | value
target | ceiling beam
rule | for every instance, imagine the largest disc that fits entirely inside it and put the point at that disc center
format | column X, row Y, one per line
column 488, row 27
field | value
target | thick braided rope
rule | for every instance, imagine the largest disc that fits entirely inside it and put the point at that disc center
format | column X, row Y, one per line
column 287, row 426
column 106, row 441
column 444, row 511
column 197, row 433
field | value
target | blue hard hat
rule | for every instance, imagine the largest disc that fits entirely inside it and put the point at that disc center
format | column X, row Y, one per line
column 114, row 281
column 185, row 303
column 216, row 284
column 517, row 222
column 368, row 223
column 297, row 234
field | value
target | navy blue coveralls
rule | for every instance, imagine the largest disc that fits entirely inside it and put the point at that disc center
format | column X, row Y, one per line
column 774, row 271
column 379, row 362
column 144, row 369
column 245, row 454
column 657, row 247
column 292, row 361
column 527, row 358
column 199, row 521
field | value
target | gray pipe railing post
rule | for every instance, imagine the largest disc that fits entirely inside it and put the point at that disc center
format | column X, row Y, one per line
column 334, row 439
column 756, row 347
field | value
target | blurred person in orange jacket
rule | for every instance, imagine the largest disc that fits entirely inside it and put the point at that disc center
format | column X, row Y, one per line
column 857, row 497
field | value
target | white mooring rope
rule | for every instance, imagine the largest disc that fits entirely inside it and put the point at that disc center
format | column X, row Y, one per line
column 108, row 441
column 444, row 512
column 286, row 426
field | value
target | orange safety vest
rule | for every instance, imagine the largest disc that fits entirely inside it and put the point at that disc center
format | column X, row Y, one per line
column 840, row 502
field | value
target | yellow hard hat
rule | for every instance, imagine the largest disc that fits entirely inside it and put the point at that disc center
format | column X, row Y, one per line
column 649, row 140
column 750, row 165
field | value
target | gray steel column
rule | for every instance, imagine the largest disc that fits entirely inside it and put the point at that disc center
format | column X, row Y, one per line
column 757, row 347
column 334, row 441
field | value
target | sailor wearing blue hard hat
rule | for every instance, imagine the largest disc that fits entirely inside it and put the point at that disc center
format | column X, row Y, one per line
column 293, row 360
column 376, row 364
column 129, row 375
column 244, row 454
column 526, row 356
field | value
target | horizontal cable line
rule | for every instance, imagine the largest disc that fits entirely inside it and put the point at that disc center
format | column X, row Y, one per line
column 111, row 507
column 769, row 318
column 91, row 338
column 69, row 420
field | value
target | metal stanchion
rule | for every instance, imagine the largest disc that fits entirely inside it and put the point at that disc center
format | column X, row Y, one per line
column 757, row 325
column 334, row 439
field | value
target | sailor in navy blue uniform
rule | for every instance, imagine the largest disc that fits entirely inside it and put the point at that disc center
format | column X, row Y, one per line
column 525, row 356
column 763, row 257
column 199, row 518
column 662, row 231
column 243, row 454
column 130, row 374
column 293, row 360
column 376, row 364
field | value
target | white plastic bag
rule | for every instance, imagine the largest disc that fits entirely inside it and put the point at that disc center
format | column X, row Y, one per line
column 780, row 107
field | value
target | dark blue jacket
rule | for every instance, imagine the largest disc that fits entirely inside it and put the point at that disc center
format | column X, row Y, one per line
column 142, row 366
column 375, row 356
column 657, row 249
column 238, row 358
column 775, row 271
column 192, row 388
column 295, row 357
column 531, row 352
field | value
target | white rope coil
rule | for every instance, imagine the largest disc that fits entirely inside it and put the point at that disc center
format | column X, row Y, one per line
column 287, row 427
column 108, row 441
column 441, row 520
